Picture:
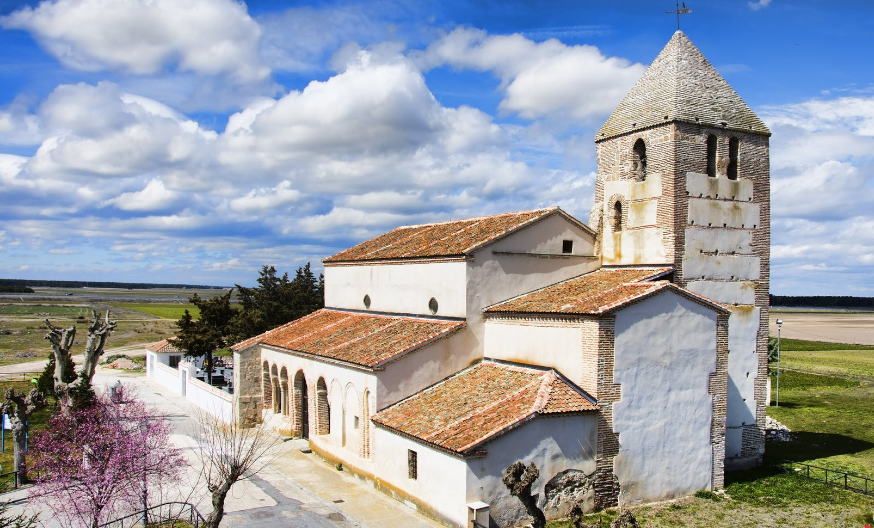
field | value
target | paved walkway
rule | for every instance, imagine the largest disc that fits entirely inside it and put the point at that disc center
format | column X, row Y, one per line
column 293, row 490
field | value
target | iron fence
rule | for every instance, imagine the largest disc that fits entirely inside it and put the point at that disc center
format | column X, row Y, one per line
column 832, row 477
column 160, row 515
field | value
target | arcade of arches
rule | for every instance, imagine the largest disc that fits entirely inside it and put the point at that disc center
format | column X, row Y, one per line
column 318, row 407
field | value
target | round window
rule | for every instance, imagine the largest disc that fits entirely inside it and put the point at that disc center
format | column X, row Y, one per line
column 432, row 305
column 367, row 301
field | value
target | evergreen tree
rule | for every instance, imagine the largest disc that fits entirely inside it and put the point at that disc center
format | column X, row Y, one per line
column 201, row 337
column 46, row 381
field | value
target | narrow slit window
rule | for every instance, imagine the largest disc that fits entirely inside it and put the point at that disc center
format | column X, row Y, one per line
column 711, row 156
column 567, row 246
column 639, row 157
column 412, row 464
column 733, row 147
column 617, row 216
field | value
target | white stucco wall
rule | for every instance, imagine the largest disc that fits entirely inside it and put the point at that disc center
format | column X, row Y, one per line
column 665, row 351
column 718, row 213
column 702, row 185
column 553, row 443
column 725, row 267
column 559, row 347
column 634, row 246
column 210, row 399
column 734, row 292
column 441, row 477
column 743, row 365
column 425, row 367
column 492, row 278
column 163, row 374
column 639, row 241
column 398, row 288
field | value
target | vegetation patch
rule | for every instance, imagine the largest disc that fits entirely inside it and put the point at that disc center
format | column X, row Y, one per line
column 36, row 423
column 793, row 380
column 44, row 310
column 818, row 346
column 162, row 310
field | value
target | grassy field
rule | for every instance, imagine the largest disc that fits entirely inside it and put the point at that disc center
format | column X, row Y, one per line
column 162, row 310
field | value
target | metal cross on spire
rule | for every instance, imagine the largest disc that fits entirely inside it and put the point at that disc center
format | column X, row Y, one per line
column 678, row 12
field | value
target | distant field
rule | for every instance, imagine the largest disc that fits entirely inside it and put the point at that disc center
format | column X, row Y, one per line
column 163, row 310
column 44, row 310
column 834, row 327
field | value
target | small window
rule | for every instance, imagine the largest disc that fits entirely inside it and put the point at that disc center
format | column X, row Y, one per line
column 711, row 156
column 567, row 246
column 174, row 361
column 412, row 464
column 432, row 306
column 367, row 301
column 639, row 160
column 356, row 422
column 617, row 216
column 733, row 147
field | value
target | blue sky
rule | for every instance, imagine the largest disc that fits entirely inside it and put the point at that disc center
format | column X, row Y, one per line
column 193, row 141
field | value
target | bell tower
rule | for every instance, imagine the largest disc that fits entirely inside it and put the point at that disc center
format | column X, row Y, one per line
column 683, row 181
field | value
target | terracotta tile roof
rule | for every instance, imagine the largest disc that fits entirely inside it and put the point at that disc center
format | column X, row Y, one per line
column 483, row 401
column 162, row 347
column 446, row 239
column 590, row 294
column 358, row 338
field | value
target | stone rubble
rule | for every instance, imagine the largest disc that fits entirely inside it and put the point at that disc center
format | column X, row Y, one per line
column 776, row 432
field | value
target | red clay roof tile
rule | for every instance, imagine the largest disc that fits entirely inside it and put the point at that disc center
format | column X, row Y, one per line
column 162, row 347
column 590, row 294
column 446, row 239
column 480, row 402
column 358, row 338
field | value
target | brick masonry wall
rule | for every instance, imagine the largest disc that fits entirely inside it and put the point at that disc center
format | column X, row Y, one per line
column 606, row 484
column 248, row 397
column 719, row 393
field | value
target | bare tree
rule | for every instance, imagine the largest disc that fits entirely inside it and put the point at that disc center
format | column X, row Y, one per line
column 229, row 453
column 62, row 340
column 519, row 480
column 20, row 408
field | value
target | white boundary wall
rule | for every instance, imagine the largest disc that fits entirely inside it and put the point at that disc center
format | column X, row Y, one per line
column 183, row 383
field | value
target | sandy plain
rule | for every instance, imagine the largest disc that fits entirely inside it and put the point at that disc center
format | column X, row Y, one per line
column 831, row 326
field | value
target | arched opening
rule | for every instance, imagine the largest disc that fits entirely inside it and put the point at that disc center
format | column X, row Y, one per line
column 617, row 216
column 352, row 420
column 301, row 420
column 733, row 146
column 711, row 156
column 283, row 388
column 266, row 387
column 365, row 425
column 274, row 382
column 323, row 408
column 639, row 159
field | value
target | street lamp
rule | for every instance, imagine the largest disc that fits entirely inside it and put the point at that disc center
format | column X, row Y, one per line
column 779, row 327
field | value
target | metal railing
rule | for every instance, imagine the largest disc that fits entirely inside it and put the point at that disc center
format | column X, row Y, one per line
column 161, row 514
column 832, row 477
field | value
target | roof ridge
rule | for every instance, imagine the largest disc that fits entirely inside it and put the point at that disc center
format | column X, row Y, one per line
column 545, row 392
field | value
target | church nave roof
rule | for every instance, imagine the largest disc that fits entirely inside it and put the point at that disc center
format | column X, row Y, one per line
column 350, row 337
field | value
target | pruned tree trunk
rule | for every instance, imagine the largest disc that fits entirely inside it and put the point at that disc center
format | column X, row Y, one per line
column 98, row 333
column 219, row 495
column 519, row 480
column 20, row 408
column 62, row 341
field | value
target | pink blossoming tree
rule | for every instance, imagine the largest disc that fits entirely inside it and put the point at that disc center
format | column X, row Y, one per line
column 93, row 463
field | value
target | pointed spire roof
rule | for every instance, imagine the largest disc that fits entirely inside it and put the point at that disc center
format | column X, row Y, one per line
column 681, row 85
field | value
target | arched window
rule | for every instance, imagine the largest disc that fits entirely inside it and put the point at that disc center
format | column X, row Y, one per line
column 266, row 387
column 711, row 156
column 617, row 216
column 733, row 145
column 323, row 408
column 639, row 159
column 301, row 420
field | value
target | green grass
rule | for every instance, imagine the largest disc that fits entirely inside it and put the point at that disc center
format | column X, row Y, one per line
column 817, row 346
column 855, row 364
column 791, row 380
column 163, row 310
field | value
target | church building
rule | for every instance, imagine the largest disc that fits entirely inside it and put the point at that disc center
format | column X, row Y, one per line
column 626, row 358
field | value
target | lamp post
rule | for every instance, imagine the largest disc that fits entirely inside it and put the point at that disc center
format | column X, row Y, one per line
column 779, row 327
